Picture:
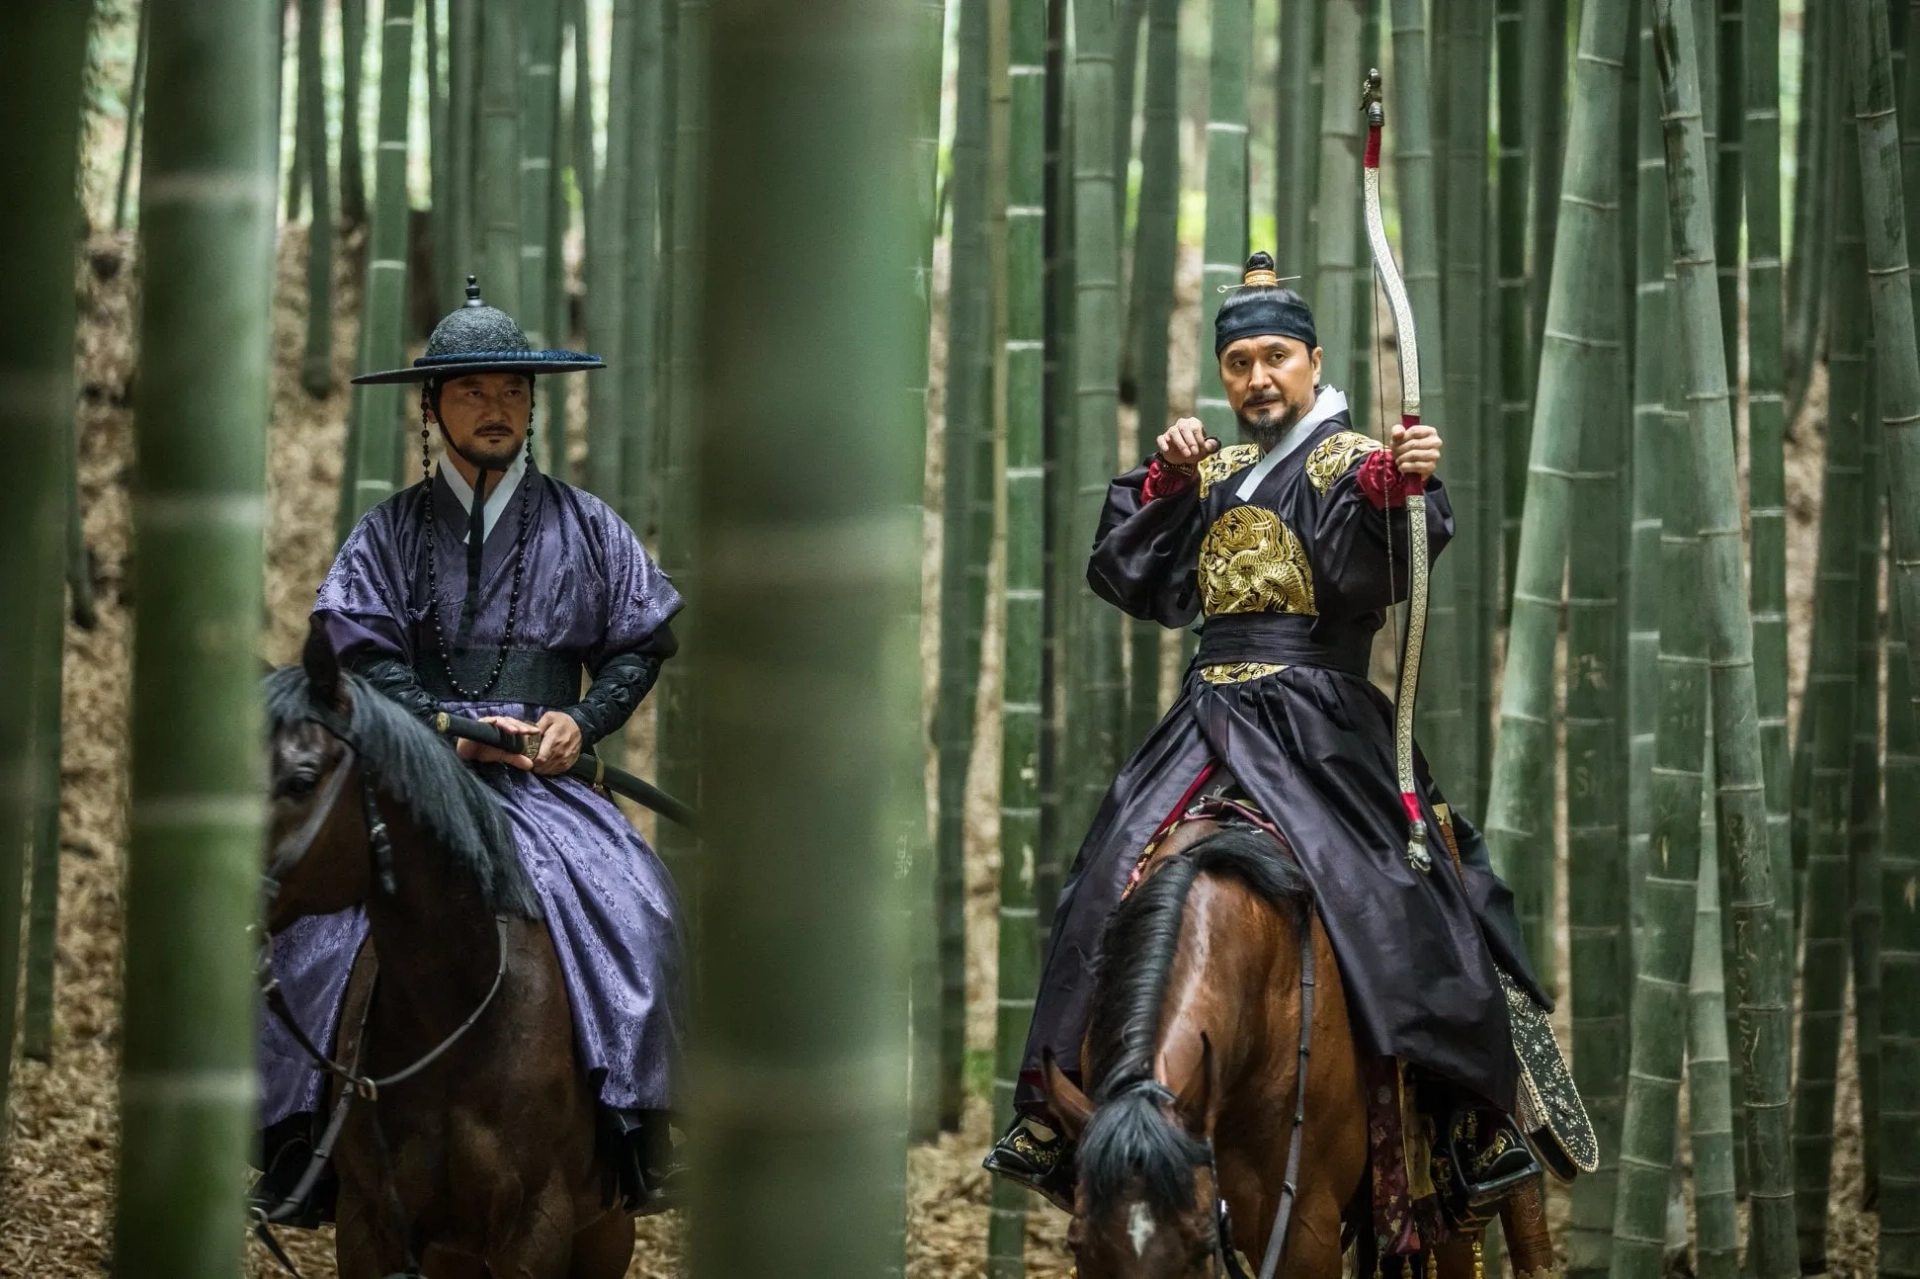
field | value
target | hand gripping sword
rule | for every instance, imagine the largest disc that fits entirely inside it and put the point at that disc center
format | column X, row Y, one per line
column 1413, row 486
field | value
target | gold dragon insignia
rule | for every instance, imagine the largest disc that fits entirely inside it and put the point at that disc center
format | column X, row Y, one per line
column 1251, row 562
column 1228, row 461
column 1335, row 456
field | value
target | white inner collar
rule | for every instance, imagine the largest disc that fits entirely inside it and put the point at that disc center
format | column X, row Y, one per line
column 497, row 497
column 1329, row 402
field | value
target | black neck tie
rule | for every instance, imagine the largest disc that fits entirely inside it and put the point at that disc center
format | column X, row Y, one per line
column 476, row 545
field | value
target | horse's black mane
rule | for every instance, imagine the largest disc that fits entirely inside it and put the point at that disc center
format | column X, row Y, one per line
column 1131, row 1137
column 410, row 764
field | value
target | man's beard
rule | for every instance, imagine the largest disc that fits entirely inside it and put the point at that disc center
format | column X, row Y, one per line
column 1265, row 424
column 484, row 454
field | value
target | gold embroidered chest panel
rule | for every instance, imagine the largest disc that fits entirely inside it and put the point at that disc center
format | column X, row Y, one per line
column 1230, row 460
column 1251, row 562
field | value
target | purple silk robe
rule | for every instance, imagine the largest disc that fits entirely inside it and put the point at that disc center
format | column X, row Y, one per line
column 589, row 592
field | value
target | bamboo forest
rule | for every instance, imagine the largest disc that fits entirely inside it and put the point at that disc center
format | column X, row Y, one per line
column 784, row 917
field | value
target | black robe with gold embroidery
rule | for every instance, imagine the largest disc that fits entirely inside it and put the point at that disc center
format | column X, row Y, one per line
column 1293, row 583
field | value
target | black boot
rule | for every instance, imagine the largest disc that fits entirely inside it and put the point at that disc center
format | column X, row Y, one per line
column 1488, row 1159
column 286, row 1151
column 648, row 1174
column 1037, row 1158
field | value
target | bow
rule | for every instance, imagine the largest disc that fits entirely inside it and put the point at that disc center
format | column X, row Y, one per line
column 1414, row 486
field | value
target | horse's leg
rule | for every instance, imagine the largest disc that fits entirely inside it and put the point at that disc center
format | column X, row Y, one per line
column 357, row 1249
column 1313, row 1238
column 540, row 1245
column 1529, row 1246
column 441, row 1264
column 604, row 1249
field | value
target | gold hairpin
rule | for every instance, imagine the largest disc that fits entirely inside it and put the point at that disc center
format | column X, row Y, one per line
column 1259, row 280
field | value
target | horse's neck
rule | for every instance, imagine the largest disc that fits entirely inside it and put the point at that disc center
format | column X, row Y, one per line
column 437, row 943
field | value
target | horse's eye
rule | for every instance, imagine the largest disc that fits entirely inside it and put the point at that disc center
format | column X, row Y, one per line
column 297, row 785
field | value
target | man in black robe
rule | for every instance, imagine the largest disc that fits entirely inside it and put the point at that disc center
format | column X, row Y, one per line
column 1292, row 546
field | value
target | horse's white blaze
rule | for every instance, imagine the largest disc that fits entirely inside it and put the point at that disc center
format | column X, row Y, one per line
column 1139, row 1228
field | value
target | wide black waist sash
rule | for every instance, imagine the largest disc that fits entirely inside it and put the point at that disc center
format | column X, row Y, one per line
column 530, row 675
column 1285, row 639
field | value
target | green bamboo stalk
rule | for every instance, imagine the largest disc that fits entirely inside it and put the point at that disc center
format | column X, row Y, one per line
column 1469, row 53
column 637, row 446
column 538, row 88
column 36, row 399
column 584, row 133
column 1863, row 833
column 1762, row 977
column 559, row 219
column 1899, row 1182
column 1766, row 424
column 808, row 103
column 1550, row 111
column 607, row 312
column 1296, row 149
column 196, row 817
column 1709, row 1086
column 1600, row 954
column 1652, row 385
column 353, row 52
column 1225, row 255
column 1516, row 322
column 678, row 743
column 439, row 160
column 1439, row 715
column 1330, row 286
column 1582, row 368
column 1021, row 852
column 297, row 169
column 968, row 418
column 136, row 97
column 1057, row 241
column 316, row 368
column 1127, row 18
column 1813, row 202
column 1155, row 252
column 463, row 94
column 1649, row 1133
column 1360, row 404
column 1730, row 109
column 1094, row 707
column 1889, row 290
column 1830, row 703
column 497, row 159
column 1908, row 90
column 378, row 412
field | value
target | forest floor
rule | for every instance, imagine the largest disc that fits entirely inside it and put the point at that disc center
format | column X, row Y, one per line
column 56, row 1192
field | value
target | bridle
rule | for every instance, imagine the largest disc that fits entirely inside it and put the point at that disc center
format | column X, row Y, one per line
column 288, row 854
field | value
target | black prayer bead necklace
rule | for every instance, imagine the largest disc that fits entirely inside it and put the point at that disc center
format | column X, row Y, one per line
column 433, row 573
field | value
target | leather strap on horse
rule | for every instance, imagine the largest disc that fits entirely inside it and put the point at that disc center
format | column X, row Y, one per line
column 1289, row 1188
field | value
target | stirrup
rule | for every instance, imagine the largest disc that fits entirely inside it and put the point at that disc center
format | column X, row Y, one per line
column 1044, row 1166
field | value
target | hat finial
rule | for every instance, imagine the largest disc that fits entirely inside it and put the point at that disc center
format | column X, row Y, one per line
column 473, row 291
column 1260, row 273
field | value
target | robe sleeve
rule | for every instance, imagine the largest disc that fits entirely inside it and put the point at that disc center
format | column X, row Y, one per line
column 640, row 597
column 363, row 604
column 1352, row 515
column 1146, row 549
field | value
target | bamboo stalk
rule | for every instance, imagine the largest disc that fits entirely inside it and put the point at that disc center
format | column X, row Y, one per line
column 439, row 161
column 1155, row 254
column 1766, row 425
column 378, row 412
column 463, row 92
column 497, row 168
column 808, row 103
column 1730, row 109
column 316, row 368
column 1361, row 404
column 1813, row 202
column 1225, row 254
column 1515, row 422
column 1295, row 149
column 1330, row 288
column 353, row 52
column 539, row 86
column 1649, row 1133
column 1127, row 18
column 1021, row 852
column 1762, row 978
column 136, row 98
column 607, row 311
column 638, row 425
column 1549, row 109
column 196, row 817
column 1899, row 1182
column 1464, row 301
column 1581, row 365
column 1709, row 1084
column 1863, row 826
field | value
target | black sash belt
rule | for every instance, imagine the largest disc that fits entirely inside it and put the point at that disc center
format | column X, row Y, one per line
column 1285, row 639
column 529, row 675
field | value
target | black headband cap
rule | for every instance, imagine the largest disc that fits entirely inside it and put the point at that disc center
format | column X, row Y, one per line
column 1260, row 308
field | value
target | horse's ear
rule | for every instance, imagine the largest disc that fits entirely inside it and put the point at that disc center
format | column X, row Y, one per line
column 322, row 666
column 1068, row 1104
column 1192, row 1103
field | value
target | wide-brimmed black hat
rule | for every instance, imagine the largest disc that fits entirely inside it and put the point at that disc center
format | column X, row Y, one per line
column 479, row 338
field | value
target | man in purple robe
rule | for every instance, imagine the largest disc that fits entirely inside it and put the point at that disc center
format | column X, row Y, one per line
column 1291, row 547
column 486, row 590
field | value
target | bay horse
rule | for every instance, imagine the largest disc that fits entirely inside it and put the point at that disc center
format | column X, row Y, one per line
column 468, row 1136
column 1198, row 1127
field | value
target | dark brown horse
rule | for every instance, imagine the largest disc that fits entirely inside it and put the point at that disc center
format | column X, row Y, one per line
column 1192, row 1057
column 482, row 1161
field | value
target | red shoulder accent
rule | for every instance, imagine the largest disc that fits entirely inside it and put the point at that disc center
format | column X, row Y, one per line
column 1380, row 480
column 1166, row 480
